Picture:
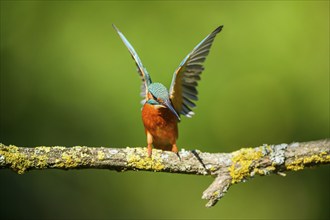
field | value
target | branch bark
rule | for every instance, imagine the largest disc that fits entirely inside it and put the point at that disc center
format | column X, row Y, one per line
column 227, row 168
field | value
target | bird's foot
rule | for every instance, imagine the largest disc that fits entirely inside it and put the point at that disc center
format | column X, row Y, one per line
column 175, row 150
column 149, row 149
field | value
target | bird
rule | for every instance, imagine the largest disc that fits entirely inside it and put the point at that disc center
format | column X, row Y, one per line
column 162, row 107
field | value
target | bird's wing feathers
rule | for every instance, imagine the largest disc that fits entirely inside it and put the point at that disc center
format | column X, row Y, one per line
column 146, row 80
column 183, row 90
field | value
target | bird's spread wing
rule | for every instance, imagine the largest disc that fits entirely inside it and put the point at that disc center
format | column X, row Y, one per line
column 146, row 80
column 183, row 90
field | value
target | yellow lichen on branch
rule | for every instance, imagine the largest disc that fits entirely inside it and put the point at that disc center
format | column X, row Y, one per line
column 241, row 163
column 21, row 162
column 228, row 168
column 301, row 162
column 144, row 162
column 17, row 160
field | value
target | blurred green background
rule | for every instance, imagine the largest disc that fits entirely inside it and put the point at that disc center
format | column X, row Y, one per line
column 67, row 79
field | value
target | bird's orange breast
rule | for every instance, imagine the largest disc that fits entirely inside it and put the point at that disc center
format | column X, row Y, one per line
column 162, row 124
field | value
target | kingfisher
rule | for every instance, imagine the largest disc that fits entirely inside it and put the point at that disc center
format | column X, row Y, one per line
column 161, row 107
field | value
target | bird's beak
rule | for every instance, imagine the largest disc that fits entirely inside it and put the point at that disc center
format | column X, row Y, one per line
column 168, row 104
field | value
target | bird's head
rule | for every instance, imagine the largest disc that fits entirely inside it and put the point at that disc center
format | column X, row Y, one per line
column 158, row 95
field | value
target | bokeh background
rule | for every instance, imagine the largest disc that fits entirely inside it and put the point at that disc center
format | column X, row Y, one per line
column 67, row 79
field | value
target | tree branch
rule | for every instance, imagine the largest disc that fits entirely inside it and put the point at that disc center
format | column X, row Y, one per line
column 227, row 168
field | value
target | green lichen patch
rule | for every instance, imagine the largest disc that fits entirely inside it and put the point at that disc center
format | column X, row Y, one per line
column 241, row 164
column 138, row 159
column 277, row 154
column 300, row 163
